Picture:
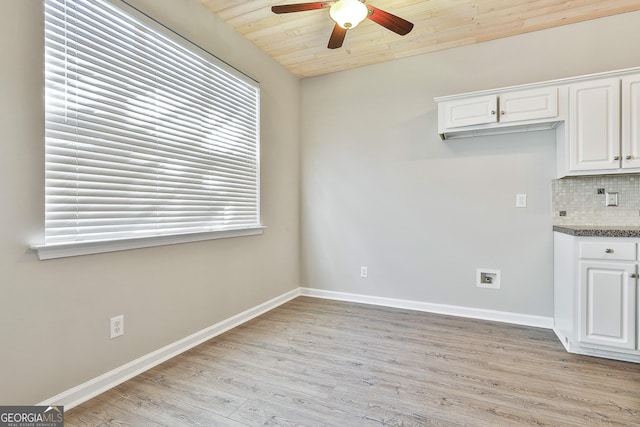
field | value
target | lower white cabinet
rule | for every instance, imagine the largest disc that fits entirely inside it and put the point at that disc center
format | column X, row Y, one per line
column 596, row 301
column 607, row 304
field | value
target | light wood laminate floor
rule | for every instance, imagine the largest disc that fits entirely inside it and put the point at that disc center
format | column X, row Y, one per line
column 315, row 362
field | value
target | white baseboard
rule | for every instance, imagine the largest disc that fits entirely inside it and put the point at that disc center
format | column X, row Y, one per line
column 453, row 310
column 83, row 392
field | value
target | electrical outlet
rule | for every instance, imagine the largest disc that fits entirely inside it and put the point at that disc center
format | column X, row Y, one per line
column 364, row 271
column 117, row 326
column 521, row 200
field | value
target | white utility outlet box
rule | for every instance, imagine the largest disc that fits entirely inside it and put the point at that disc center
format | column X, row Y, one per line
column 488, row 278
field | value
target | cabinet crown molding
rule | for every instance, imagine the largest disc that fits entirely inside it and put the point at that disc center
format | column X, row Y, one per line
column 542, row 84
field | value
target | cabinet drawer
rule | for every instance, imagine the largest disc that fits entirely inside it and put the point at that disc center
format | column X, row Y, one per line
column 608, row 250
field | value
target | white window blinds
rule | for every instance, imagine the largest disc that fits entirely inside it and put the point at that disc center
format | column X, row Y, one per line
column 146, row 134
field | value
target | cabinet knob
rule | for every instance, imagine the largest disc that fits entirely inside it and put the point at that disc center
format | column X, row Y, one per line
column 502, row 113
column 616, row 158
column 633, row 275
column 493, row 112
column 609, row 251
column 629, row 157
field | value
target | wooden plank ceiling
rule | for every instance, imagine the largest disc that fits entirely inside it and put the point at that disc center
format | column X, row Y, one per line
column 299, row 40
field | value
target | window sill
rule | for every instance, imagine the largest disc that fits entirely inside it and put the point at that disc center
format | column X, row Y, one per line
column 62, row 250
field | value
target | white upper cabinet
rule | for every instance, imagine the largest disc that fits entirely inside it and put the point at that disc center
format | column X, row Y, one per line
column 594, row 125
column 468, row 112
column 596, row 118
column 631, row 122
column 603, row 127
column 528, row 105
column 509, row 111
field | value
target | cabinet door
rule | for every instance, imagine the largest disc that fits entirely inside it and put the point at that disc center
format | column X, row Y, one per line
column 469, row 112
column 631, row 122
column 529, row 105
column 594, row 125
column 607, row 304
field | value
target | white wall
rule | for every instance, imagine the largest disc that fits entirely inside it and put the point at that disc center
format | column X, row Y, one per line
column 380, row 189
column 54, row 315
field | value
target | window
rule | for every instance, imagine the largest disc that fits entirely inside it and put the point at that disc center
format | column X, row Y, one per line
column 149, row 139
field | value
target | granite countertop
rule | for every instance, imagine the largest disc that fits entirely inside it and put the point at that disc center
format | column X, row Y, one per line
column 599, row 230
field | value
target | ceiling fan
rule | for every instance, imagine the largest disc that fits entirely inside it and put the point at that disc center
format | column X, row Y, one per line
column 347, row 14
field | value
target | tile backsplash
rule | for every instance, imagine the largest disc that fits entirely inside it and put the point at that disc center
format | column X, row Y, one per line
column 579, row 198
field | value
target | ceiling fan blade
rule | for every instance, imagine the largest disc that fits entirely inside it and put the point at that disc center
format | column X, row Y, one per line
column 288, row 8
column 337, row 37
column 389, row 21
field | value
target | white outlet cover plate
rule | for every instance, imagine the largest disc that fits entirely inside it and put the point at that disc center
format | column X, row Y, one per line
column 521, row 200
column 116, row 326
column 611, row 199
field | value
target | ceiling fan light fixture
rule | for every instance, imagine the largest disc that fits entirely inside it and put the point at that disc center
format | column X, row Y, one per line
column 348, row 13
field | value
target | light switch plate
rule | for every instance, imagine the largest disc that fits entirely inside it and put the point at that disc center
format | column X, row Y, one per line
column 364, row 271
